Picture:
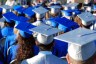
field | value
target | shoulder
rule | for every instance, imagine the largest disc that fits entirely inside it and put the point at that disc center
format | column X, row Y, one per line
column 33, row 60
column 54, row 59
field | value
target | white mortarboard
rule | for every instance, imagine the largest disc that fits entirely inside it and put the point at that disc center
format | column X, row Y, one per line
column 81, row 41
column 87, row 18
column 70, row 6
column 45, row 30
column 40, row 11
column 45, row 33
column 55, row 9
column 6, row 8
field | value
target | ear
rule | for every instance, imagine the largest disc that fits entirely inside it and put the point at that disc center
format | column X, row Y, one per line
column 36, row 42
column 68, row 59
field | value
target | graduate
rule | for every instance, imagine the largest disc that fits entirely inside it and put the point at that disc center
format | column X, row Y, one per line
column 45, row 43
column 12, row 39
column 40, row 15
column 8, row 25
column 7, row 30
column 85, row 19
column 53, row 13
column 30, row 14
column 81, row 46
column 25, row 46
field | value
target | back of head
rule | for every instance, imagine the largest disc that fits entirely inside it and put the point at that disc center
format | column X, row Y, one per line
column 26, row 44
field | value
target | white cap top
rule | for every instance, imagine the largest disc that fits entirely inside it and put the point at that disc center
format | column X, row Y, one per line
column 40, row 11
column 81, row 40
column 45, row 30
column 55, row 9
column 87, row 18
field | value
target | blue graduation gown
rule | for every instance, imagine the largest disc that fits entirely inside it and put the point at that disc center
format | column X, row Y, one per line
column 7, row 31
column 60, row 48
column 0, row 34
column 1, row 55
column 10, row 40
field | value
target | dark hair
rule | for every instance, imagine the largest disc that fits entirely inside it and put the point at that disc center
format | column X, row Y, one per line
column 9, row 24
column 45, row 47
column 25, row 49
column 80, row 6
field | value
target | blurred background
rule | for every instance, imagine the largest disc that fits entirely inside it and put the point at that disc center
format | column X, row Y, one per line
column 62, row 1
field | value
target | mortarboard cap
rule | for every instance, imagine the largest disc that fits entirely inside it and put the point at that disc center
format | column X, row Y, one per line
column 87, row 18
column 20, row 10
column 40, row 11
column 6, row 8
column 55, row 9
column 29, row 11
column 45, row 33
column 81, row 43
column 25, row 26
column 16, row 7
column 45, row 30
column 65, row 23
column 9, row 16
column 19, row 19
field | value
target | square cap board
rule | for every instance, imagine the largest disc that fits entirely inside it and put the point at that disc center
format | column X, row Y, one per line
column 45, row 30
column 40, row 10
column 79, row 36
column 86, row 17
column 20, row 9
column 29, row 11
column 64, row 21
column 25, row 26
column 9, row 16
